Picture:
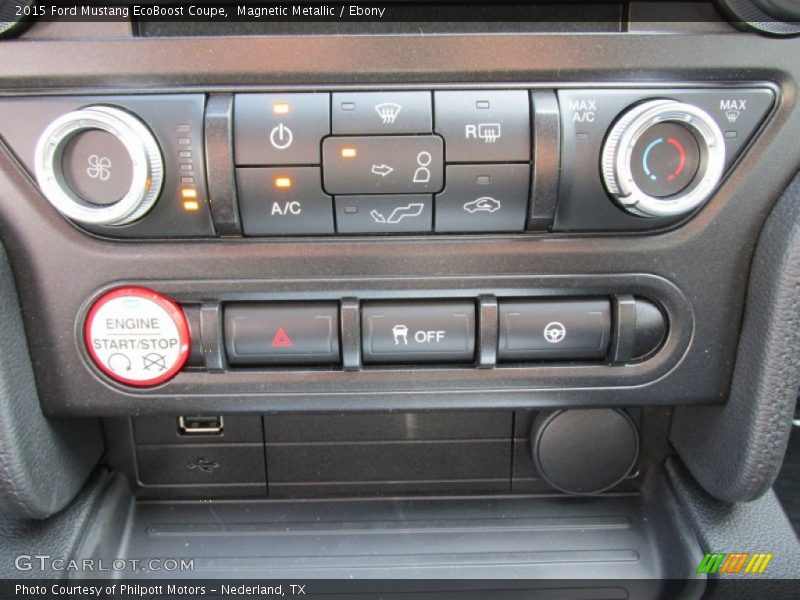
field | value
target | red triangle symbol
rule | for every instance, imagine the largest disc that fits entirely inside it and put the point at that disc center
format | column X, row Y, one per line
column 281, row 339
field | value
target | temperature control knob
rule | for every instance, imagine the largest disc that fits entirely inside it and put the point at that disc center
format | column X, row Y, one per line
column 663, row 158
column 99, row 166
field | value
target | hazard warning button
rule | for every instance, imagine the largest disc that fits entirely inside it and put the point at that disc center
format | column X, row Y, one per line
column 137, row 336
column 282, row 339
column 285, row 333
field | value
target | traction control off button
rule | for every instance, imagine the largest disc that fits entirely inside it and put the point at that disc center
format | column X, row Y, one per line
column 418, row 332
column 137, row 336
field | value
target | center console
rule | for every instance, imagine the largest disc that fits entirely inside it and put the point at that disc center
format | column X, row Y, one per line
column 226, row 170
column 428, row 284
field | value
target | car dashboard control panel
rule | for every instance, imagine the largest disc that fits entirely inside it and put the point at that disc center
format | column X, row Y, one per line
column 139, row 337
column 404, row 161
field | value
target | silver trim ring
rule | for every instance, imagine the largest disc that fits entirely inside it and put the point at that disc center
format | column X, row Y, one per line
column 619, row 145
column 147, row 173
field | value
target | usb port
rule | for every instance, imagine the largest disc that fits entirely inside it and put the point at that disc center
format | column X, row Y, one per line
column 200, row 425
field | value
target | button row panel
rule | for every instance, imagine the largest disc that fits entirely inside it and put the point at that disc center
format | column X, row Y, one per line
column 382, row 162
column 478, row 126
column 233, row 164
column 461, row 331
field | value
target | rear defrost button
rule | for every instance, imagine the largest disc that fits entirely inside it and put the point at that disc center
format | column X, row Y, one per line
column 484, row 126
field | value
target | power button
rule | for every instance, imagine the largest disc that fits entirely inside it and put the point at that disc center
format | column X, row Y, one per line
column 137, row 336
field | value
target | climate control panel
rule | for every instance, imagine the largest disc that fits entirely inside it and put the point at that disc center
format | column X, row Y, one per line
column 387, row 161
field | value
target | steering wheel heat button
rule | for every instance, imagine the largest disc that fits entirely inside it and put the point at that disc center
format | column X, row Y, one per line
column 137, row 336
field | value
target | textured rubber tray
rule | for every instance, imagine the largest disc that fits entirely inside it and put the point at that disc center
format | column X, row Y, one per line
column 625, row 537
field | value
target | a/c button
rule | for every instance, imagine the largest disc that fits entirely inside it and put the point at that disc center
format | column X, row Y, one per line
column 283, row 201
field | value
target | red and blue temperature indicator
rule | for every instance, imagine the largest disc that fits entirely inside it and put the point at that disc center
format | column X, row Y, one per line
column 671, row 141
column 665, row 159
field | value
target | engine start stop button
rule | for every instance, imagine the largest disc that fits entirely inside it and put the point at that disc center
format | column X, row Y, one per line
column 137, row 336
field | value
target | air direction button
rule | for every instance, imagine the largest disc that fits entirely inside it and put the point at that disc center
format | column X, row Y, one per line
column 137, row 336
column 384, row 213
column 397, row 164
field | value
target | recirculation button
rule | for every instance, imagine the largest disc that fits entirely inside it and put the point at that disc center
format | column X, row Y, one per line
column 137, row 336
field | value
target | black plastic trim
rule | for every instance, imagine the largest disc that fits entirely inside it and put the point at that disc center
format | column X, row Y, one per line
column 439, row 386
column 220, row 175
